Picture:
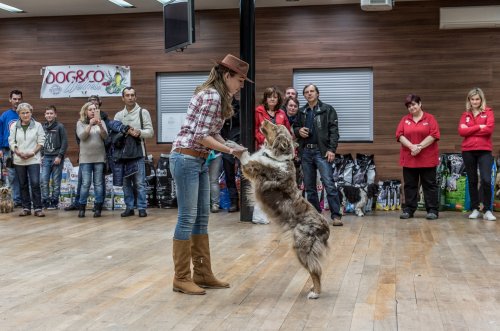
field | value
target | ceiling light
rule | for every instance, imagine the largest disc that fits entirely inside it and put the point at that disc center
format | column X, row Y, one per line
column 122, row 3
column 10, row 8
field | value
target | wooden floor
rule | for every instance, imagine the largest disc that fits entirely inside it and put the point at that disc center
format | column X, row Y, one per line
column 65, row 273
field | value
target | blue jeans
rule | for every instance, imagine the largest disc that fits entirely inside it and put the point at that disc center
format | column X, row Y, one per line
column 312, row 160
column 193, row 194
column 214, row 171
column 50, row 169
column 91, row 172
column 76, row 200
column 136, row 184
column 13, row 180
column 29, row 173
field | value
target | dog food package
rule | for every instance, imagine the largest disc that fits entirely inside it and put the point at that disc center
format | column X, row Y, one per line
column 73, row 176
column 67, row 170
column 165, row 189
column 66, row 195
column 455, row 192
column 396, row 185
column 151, row 182
column 118, row 198
column 421, row 200
column 381, row 202
column 364, row 170
column 342, row 169
column 108, row 195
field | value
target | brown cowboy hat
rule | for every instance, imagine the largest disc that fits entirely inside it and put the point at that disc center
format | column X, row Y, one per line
column 235, row 64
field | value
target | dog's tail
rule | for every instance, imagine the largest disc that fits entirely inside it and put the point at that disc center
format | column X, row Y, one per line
column 310, row 248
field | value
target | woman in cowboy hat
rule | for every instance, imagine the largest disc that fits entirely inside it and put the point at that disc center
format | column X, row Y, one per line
column 200, row 133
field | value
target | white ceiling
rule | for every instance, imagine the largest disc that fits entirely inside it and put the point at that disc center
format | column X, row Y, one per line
column 35, row 8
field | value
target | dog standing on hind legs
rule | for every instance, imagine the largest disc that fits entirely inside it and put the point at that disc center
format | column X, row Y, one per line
column 272, row 174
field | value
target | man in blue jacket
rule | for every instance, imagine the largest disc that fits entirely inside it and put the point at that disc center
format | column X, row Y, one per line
column 8, row 118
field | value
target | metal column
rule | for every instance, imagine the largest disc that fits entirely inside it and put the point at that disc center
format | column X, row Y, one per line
column 247, row 100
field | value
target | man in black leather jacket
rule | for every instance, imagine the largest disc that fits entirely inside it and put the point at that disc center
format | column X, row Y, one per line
column 317, row 132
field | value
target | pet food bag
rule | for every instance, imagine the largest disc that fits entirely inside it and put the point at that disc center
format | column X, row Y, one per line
column 364, row 170
column 118, row 198
column 165, row 189
column 151, row 182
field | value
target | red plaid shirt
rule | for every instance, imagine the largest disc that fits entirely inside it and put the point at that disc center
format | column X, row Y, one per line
column 204, row 118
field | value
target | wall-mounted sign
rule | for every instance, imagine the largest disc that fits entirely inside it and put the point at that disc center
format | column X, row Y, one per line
column 78, row 81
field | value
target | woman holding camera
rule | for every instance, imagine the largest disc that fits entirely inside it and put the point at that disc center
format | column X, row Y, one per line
column 92, row 132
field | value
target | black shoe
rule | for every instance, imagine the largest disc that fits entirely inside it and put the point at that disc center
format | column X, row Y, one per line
column 431, row 216
column 18, row 205
column 142, row 213
column 405, row 215
column 127, row 213
column 71, row 207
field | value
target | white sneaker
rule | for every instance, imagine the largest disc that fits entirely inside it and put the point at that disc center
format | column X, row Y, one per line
column 475, row 214
column 260, row 221
column 489, row 216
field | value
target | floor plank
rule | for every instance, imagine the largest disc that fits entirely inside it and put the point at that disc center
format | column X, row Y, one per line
column 381, row 273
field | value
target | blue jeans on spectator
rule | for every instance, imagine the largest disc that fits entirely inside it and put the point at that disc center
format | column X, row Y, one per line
column 13, row 180
column 214, row 171
column 29, row 173
column 193, row 194
column 91, row 172
column 76, row 201
column 136, row 185
column 312, row 160
column 50, row 169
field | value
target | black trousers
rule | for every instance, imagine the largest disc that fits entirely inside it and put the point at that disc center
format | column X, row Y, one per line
column 229, row 164
column 427, row 177
column 29, row 180
column 482, row 160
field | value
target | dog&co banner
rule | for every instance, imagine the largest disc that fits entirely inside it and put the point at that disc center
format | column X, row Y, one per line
column 73, row 81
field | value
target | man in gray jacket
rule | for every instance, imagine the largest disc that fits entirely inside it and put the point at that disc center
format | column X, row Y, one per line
column 141, row 127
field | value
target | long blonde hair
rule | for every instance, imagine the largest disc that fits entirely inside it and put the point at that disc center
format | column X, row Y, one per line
column 473, row 92
column 216, row 81
column 83, row 116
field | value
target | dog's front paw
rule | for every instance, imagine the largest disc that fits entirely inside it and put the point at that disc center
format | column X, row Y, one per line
column 244, row 157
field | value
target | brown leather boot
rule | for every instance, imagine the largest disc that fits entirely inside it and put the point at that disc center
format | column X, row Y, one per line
column 202, row 269
column 181, row 253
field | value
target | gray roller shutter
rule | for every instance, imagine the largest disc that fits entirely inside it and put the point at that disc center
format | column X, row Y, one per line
column 174, row 91
column 350, row 92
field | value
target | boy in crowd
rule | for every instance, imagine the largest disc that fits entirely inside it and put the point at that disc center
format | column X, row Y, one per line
column 56, row 144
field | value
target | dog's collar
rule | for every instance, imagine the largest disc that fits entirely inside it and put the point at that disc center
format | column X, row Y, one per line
column 275, row 159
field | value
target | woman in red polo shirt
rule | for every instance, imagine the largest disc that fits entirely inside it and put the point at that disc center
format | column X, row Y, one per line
column 476, row 126
column 418, row 133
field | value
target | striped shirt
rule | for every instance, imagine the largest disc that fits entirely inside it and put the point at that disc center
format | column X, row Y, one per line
column 203, row 119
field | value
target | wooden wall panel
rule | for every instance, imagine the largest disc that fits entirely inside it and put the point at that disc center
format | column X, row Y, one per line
column 405, row 48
